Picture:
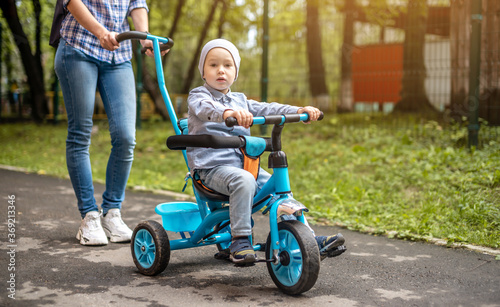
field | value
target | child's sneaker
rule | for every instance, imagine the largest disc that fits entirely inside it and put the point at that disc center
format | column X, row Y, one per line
column 242, row 252
column 91, row 232
column 115, row 228
column 329, row 243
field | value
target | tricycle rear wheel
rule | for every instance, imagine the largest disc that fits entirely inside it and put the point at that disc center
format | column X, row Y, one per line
column 150, row 248
column 299, row 264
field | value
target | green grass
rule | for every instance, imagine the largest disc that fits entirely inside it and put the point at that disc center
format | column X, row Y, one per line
column 402, row 177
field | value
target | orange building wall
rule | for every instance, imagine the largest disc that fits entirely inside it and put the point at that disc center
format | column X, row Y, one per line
column 377, row 71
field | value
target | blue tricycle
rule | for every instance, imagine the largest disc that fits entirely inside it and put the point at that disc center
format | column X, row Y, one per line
column 291, row 252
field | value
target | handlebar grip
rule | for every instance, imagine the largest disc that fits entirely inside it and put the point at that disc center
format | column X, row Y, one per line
column 231, row 121
column 321, row 115
column 131, row 35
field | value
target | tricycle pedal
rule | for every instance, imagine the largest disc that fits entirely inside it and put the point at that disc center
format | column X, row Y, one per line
column 241, row 265
column 222, row 255
column 337, row 251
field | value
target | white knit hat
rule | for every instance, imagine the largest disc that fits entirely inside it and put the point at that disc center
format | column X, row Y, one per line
column 220, row 43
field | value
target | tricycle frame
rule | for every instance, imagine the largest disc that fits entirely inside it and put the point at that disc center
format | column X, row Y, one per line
column 292, row 254
column 278, row 184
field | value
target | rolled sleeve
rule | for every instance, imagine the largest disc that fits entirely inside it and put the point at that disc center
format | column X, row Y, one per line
column 135, row 4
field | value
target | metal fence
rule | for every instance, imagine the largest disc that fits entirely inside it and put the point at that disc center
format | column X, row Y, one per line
column 375, row 55
column 375, row 46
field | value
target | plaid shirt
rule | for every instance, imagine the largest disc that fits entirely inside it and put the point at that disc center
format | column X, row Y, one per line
column 112, row 14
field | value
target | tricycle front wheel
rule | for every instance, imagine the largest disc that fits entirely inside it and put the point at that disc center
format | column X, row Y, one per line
column 150, row 248
column 299, row 264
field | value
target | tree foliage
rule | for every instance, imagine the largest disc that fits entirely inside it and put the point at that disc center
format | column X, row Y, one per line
column 31, row 61
column 240, row 21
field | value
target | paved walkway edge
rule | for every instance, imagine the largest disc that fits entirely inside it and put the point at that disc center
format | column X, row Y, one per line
column 180, row 196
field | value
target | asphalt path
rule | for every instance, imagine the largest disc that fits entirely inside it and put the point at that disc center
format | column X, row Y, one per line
column 44, row 264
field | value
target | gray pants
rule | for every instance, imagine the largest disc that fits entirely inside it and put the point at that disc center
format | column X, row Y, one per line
column 241, row 187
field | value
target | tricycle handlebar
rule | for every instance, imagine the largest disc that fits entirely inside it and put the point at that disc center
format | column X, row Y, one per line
column 131, row 35
column 274, row 119
column 167, row 42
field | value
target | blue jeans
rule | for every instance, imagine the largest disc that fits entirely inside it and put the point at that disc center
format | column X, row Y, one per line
column 79, row 76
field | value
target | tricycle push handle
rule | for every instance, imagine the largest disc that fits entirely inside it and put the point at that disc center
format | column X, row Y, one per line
column 274, row 119
column 167, row 42
column 131, row 35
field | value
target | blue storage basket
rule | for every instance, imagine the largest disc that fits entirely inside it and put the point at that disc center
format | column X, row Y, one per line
column 179, row 216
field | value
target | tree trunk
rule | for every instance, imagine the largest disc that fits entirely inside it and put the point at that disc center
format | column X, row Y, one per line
column 8, row 69
column 173, row 29
column 222, row 18
column 460, row 36
column 489, row 98
column 1, row 46
column 346, row 103
column 413, row 95
column 31, row 67
column 38, row 32
column 317, row 83
column 194, row 62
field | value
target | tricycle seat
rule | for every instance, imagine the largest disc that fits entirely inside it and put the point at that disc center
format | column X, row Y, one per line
column 207, row 194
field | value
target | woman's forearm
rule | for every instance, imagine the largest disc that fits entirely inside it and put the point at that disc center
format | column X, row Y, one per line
column 140, row 19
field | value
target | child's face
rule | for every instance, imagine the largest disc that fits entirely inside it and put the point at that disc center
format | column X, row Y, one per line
column 219, row 70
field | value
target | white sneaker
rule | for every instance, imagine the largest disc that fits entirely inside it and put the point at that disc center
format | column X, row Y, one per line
column 115, row 228
column 91, row 232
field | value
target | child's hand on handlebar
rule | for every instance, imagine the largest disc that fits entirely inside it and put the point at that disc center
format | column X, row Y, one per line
column 243, row 117
column 313, row 112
